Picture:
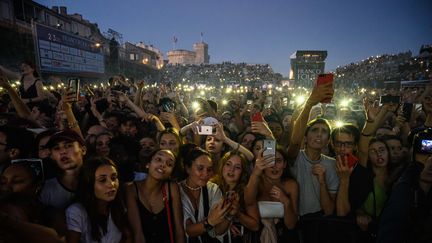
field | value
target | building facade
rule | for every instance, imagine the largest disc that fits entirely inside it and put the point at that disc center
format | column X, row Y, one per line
column 199, row 55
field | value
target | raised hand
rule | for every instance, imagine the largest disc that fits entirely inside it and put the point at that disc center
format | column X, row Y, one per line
column 342, row 168
column 319, row 93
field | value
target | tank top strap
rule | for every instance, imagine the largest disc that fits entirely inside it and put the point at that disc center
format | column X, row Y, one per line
column 137, row 191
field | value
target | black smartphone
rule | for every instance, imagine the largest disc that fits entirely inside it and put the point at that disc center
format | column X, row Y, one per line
column 407, row 110
column 74, row 85
column 387, row 99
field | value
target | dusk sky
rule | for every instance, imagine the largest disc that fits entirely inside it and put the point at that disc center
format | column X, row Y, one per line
column 267, row 31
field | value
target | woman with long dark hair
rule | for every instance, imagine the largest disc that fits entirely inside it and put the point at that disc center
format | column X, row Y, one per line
column 154, row 206
column 99, row 215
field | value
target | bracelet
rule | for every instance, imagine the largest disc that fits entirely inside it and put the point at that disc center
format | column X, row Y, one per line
column 366, row 135
column 229, row 217
column 72, row 124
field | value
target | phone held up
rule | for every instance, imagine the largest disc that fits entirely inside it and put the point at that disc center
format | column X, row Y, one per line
column 423, row 142
column 325, row 78
column 269, row 146
column 352, row 160
column 74, row 86
column 257, row 117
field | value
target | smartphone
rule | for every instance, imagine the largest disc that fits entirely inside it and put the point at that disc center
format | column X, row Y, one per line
column 205, row 130
column 249, row 102
column 426, row 146
column 285, row 101
column 239, row 226
column 74, row 85
column 269, row 146
column 257, row 117
column 325, row 78
column 352, row 160
column 407, row 110
column 387, row 99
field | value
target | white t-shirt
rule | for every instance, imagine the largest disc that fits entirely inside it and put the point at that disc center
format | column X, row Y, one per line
column 77, row 220
column 55, row 194
column 214, row 195
column 309, row 187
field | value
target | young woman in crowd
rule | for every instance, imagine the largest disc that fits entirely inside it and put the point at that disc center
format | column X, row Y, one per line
column 276, row 193
column 378, row 160
column 204, row 208
column 31, row 88
column 154, row 205
column 215, row 145
column 98, row 215
column 22, row 217
column 170, row 139
column 102, row 144
column 231, row 178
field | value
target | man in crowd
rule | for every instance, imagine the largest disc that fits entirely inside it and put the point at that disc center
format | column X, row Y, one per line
column 67, row 150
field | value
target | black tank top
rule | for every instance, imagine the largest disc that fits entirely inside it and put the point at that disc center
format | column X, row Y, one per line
column 154, row 226
column 31, row 92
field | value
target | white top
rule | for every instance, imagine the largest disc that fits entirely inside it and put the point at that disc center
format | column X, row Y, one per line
column 77, row 220
column 215, row 195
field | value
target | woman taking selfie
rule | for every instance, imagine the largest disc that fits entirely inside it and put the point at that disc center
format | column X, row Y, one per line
column 231, row 178
column 98, row 216
column 204, row 209
column 276, row 193
column 154, row 206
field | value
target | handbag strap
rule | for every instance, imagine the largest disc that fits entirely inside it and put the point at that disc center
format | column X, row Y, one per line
column 168, row 210
column 205, row 201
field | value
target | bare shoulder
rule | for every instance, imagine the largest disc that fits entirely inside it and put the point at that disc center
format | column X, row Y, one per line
column 290, row 185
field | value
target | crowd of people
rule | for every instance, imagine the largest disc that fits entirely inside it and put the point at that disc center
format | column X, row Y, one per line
column 131, row 162
column 225, row 72
column 388, row 67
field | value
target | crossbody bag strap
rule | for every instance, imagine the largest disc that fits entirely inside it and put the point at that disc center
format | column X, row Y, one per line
column 168, row 210
column 205, row 201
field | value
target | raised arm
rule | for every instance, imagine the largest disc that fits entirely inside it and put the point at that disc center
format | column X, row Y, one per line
column 343, row 206
column 319, row 93
column 374, row 117
column 10, row 73
column 234, row 145
column 20, row 106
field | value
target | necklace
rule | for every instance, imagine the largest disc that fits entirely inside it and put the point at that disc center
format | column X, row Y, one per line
column 191, row 188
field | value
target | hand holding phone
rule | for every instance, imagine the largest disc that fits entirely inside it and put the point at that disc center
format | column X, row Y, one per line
column 325, row 78
column 269, row 146
column 352, row 160
column 257, row 117
column 74, row 86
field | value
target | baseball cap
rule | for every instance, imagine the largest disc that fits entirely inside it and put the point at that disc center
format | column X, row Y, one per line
column 65, row 135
